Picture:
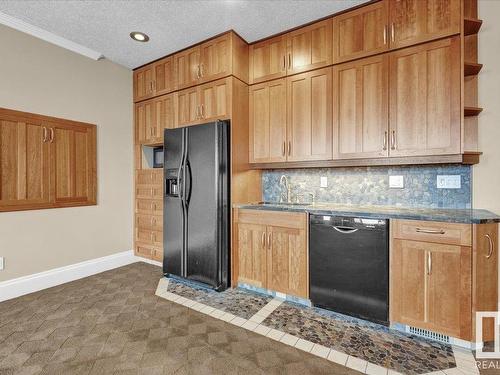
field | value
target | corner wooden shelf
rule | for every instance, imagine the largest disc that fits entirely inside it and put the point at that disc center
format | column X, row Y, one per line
column 472, row 111
column 471, row 69
column 472, row 26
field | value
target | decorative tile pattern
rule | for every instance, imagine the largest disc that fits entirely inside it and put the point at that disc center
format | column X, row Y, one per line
column 235, row 301
column 360, row 339
column 370, row 186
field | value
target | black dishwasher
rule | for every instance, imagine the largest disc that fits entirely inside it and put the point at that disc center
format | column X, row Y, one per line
column 349, row 266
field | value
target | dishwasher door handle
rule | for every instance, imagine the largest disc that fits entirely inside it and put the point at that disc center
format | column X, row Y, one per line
column 345, row 230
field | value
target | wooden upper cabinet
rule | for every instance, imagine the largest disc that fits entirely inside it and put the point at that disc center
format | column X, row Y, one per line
column 267, row 121
column 425, row 109
column 267, row 59
column 361, row 32
column 188, row 109
column 309, row 47
column 73, row 151
column 188, row 67
column 144, row 83
column 309, row 116
column 24, row 162
column 416, row 21
column 215, row 58
column 252, row 254
column 145, row 122
column 165, row 76
column 360, row 108
column 215, row 100
column 165, row 118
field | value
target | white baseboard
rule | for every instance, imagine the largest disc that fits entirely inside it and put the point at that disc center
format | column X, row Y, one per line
column 150, row 261
column 32, row 283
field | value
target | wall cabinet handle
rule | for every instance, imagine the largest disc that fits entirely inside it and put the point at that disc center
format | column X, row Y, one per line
column 289, row 61
column 263, row 239
column 202, row 111
column 430, row 231
column 44, row 136
column 393, row 140
column 386, row 135
column 429, row 263
column 197, row 112
column 385, row 34
column 269, row 236
column 289, row 148
column 491, row 246
column 52, row 135
column 201, row 70
column 393, row 36
column 283, row 151
column 284, row 62
column 198, row 73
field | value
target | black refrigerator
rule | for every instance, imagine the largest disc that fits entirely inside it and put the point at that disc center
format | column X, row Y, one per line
column 196, row 204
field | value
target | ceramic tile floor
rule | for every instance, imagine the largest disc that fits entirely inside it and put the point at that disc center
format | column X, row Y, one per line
column 356, row 344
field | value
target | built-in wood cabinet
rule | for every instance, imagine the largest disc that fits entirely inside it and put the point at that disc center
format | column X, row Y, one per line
column 425, row 115
column 267, row 59
column 267, row 119
column 46, row 162
column 188, row 67
column 361, row 32
column 360, row 108
column 215, row 58
column 417, row 21
column 155, row 79
column 143, row 83
column 272, row 250
column 309, row 116
column 153, row 116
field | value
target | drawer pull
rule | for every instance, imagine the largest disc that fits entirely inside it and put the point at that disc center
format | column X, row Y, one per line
column 490, row 251
column 430, row 231
column 263, row 239
column 429, row 263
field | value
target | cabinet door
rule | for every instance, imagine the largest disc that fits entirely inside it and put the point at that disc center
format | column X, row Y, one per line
column 310, row 47
column 268, row 59
column 145, row 122
column 143, row 83
column 416, row 21
column 188, row 107
column 24, row 163
column 215, row 58
column 309, row 116
column 188, row 67
column 73, row 173
column 425, row 99
column 449, row 289
column 164, row 115
column 408, row 289
column 164, row 76
column 215, row 100
column 361, row 32
column 252, row 254
column 267, row 106
column 287, row 261
column 360, row 108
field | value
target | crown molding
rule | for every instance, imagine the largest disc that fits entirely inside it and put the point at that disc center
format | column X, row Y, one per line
column 37, row 32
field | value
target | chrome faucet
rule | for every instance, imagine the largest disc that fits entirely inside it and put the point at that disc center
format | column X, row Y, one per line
column 284, row 183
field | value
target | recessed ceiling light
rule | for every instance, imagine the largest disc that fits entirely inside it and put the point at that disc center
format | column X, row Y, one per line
column 138, row 36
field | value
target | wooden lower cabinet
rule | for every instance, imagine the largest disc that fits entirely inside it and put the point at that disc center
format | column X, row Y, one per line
column 272, row 251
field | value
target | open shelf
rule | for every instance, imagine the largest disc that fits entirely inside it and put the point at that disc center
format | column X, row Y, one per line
column 472, row 26
column 472, row 111
column 471, row 69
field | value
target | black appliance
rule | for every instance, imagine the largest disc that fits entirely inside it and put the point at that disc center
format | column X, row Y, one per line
column 349, row 266
column 158, row 157
column 196, row 204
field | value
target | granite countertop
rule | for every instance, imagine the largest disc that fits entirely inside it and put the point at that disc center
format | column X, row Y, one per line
column 468, row 216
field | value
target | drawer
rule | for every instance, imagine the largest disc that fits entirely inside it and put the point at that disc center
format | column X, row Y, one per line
column 149, row 206
column 432, row 231
column 149, row 237
column 149, row 176
column 143, row 251
column 275, row 218
column 157, row 254
column 148, row 192
column 149, row 222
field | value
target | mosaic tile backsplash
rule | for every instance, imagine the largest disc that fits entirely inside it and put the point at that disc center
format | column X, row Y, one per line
column 370, row 186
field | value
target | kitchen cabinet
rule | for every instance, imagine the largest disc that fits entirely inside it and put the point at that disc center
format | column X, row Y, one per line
column 309, row 115
column 215, row 58
column 188, row 67
column 143, row 83
column 309, row 47
column 425, row 114
column 189, row 106
column 164, row 76
column 24, row 162
column 272, row 250
column 267, row 121
column 361, row 32
column 417, row 21
column 164, row 117
column 252, row 254
column 360, row 108
column 145, row 122
column 267, row 59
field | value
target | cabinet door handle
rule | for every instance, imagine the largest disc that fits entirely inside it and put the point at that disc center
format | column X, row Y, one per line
column 263, row 239
column 386, row 135
column 385, row 34
column 283, row 151
column 52, row 135
column 429, row 263
column 392, row 33
column 289, row 148
column 198, row 74
column 44, row 139
column 430, row 231
column 269, row 236
column 289, row 61
column 491, row 246
column 284, row 62
column 393, row 140
column 202, row 111
column 197, row 112
column 201, row 70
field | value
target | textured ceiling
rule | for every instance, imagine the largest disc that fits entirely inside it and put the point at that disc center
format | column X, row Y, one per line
column 104, row 26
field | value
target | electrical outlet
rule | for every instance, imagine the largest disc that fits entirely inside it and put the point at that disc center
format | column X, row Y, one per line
column 449, row 182
column 1, row 263
column 396, row 182
column 323, row 182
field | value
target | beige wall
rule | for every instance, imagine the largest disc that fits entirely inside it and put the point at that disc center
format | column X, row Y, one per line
column 486, row 175
column 39, row 77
